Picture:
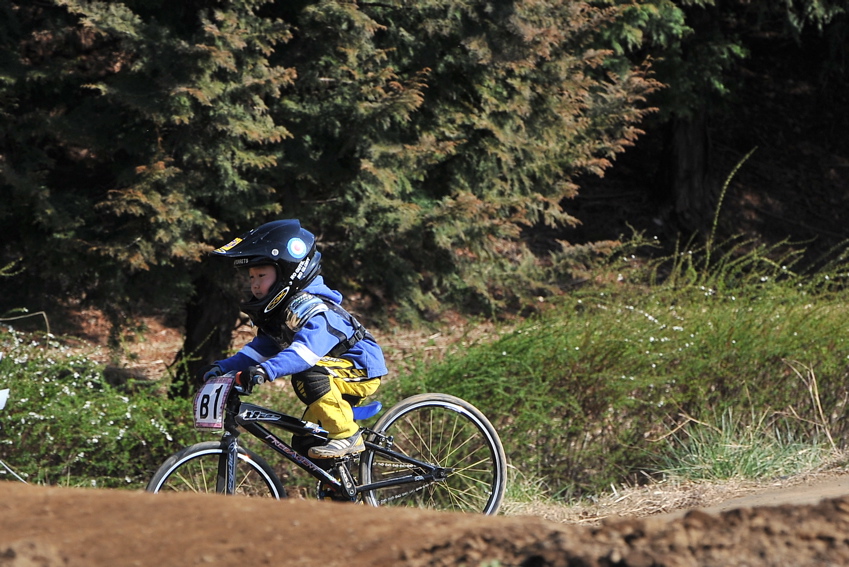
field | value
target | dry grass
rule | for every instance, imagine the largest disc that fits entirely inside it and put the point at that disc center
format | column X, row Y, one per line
column 667, row 496
column 658, row 498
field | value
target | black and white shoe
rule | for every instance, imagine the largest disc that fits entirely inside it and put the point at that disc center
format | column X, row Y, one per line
column 339, row 447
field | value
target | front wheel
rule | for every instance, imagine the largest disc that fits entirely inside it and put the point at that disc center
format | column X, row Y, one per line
column 448, row 432
column 199, row 468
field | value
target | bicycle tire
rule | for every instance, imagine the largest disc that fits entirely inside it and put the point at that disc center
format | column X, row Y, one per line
column 195, row 469
column 443, row 430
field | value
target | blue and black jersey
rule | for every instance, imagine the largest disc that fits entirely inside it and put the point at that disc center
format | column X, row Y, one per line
column 283, row 352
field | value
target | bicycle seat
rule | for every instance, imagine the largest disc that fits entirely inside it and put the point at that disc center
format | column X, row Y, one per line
column 366, row 411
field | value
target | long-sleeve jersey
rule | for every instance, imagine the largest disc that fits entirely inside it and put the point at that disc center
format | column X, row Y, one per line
column 309, row 344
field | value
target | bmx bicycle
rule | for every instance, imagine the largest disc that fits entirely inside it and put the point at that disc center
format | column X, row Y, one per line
column 432, row 451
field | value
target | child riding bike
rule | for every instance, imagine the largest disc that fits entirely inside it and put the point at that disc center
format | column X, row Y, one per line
column 303, row 332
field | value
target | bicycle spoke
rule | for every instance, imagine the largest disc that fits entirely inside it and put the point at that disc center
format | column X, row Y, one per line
column 450, row 434
column 197, row 471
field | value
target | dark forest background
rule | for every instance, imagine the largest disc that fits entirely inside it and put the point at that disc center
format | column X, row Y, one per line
column 465, row 155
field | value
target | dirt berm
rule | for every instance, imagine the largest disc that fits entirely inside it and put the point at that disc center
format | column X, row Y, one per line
column 51, row 527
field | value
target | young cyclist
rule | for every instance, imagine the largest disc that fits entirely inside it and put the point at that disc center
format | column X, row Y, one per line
column 303, row 332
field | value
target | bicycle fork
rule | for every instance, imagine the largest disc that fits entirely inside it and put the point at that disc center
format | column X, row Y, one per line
column 226, row 482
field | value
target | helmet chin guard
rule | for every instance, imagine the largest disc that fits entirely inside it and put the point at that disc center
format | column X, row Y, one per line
column 284, row 245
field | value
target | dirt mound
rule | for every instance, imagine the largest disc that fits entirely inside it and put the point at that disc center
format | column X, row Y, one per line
column 52, row 527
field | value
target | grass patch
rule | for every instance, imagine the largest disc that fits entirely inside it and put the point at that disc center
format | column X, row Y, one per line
column 585, row 394
column 752, row 447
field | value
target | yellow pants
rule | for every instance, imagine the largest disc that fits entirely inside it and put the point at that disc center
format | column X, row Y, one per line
column 324, row 389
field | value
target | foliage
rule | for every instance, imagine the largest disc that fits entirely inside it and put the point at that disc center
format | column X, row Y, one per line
column 753, row 447
column 585, row 394
column 128, row 144
column 65, row 425
column 616, row 381
column 515, row 105
column 421, row 141
column 699, row 45
column 417, row 139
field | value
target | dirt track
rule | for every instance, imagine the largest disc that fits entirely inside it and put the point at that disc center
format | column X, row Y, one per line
column 49, row 527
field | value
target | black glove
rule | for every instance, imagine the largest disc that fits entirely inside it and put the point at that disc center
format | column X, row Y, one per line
column 209, row 371
column 247, row 379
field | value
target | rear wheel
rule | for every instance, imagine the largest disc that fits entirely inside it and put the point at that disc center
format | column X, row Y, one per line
column 445, row 431
column 196, row 469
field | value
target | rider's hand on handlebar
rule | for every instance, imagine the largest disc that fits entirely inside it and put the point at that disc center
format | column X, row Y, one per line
column 247, row 379
column 209, row 371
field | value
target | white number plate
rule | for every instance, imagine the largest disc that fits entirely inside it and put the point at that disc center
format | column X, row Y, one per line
column 210, row 402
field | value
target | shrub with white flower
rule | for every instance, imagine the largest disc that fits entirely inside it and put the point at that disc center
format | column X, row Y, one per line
column 64, row 424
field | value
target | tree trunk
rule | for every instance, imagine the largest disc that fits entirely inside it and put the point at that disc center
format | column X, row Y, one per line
column 690, row 190
column 211, row 316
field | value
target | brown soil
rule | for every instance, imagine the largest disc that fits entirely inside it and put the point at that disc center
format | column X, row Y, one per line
column 53, row 526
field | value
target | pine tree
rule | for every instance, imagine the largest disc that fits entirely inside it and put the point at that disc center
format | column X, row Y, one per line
column 418, row 140
column 435, row 132
column 131, row 142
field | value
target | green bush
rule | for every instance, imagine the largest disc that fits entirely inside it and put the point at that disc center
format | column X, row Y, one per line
column 585, row 394
column 64, row 424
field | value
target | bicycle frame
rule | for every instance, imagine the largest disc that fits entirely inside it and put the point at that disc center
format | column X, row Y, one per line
column 250, row 417
column 428, row 450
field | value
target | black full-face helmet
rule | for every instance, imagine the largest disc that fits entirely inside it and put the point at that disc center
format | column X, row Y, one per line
column 284, row 245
